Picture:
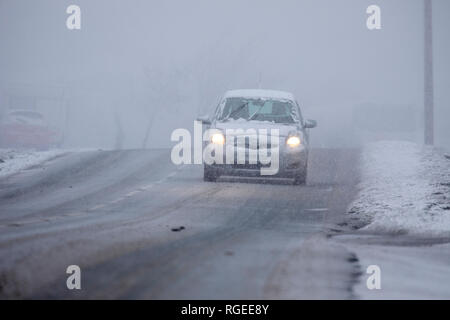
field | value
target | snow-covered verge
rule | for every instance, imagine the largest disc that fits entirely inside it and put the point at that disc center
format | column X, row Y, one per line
column 13, row 161
column 409, row 268
column 405, row 188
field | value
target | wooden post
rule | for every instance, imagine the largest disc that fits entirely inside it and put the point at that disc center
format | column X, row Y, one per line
column 428, row 75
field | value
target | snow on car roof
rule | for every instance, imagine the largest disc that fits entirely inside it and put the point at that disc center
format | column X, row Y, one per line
column 259, row 93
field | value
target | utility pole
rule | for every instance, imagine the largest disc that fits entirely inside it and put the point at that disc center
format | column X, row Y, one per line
column 428, row 74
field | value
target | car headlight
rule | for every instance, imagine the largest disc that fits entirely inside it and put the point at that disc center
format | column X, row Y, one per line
column 293, row 141
column 218, row 138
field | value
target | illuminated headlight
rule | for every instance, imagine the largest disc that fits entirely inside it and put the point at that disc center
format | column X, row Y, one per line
column 218, row 138
column 293, row 141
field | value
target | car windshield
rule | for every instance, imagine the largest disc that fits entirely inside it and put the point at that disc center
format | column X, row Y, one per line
column 24, row 118
column 26, row 114
column 278, row 111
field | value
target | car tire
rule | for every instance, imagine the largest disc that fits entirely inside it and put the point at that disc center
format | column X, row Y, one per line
column 209, row 174
column 300, row 177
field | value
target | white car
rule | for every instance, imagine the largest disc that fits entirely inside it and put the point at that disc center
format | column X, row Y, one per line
column 243, row 112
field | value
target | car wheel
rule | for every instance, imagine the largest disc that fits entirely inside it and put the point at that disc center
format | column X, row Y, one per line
column 300, row 177
column 209, row 174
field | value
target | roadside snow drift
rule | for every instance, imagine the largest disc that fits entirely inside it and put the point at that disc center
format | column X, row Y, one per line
column 405, row 188
column 13, row 161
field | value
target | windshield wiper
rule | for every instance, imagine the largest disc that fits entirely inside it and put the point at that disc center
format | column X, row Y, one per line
column 255, row 113
column 232, row 113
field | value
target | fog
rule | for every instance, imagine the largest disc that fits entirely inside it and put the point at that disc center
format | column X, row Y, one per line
column 137, row 70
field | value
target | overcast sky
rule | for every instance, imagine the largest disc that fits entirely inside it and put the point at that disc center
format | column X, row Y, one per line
column 173, row 59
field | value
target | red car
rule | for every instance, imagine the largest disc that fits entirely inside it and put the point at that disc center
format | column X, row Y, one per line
column 27, row 129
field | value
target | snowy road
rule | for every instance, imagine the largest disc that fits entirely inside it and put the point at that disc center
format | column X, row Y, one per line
column 140, row 227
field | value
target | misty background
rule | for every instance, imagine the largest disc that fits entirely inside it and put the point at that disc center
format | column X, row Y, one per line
column 137, row 70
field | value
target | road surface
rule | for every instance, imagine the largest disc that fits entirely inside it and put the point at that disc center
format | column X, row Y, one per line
column 140, row 227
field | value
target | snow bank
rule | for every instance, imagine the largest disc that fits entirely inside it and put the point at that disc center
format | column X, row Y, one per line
column 405, row 188
column 13, row 161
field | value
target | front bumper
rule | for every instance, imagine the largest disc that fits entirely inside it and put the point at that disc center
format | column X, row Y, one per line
column 290, row 164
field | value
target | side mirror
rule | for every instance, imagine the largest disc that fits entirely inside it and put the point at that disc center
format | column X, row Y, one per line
column 309, row 124
column 205, row 119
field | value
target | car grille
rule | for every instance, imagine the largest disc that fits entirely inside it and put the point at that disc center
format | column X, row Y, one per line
column 247, row 143
column 248, row 166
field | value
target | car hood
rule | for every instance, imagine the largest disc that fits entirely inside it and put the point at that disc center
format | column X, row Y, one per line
column 284, row 129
